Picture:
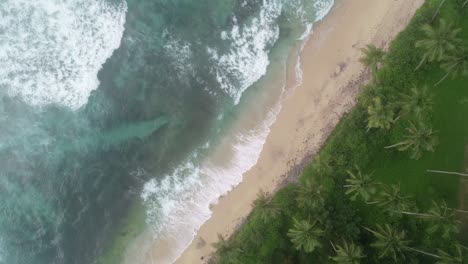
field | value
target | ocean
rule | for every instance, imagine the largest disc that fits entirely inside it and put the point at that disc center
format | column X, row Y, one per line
column 111, row 105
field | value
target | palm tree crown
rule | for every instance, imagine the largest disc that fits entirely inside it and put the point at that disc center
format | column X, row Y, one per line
column 372, row 57
column 455, row 64
column 305, row 235
column 380, row 116
column 418, row 139
column 348, row 253
column 417, row 102
column 360, row 185
column 390, row 242
column 392, row 199
column 438, row 41
column 443, row 220
column 266, row 209
column 228, row 249
column 310, row 195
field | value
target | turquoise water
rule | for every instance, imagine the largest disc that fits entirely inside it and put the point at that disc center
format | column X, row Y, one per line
column 108, row 102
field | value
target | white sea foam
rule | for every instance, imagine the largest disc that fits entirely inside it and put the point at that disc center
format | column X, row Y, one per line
column 51, row 51
column 181, row 53
column 247, row 59
column 180, row 203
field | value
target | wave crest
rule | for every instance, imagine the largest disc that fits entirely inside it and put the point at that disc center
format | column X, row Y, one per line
column 52, row 50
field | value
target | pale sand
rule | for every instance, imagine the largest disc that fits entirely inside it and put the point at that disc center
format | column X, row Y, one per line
column 332, row 74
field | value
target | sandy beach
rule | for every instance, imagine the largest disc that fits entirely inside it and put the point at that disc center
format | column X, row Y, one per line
column 332, row 75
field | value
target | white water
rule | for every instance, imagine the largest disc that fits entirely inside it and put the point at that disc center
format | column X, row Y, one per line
column 247, row 60
column 51, row 51
column 180, row 203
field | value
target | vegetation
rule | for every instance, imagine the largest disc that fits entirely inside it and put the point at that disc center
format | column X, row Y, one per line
column 372, row 57
column 367, row 196
column 349, row 253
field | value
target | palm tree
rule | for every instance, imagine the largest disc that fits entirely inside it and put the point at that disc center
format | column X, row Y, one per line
column 447, row 258
column 417, row 101
column 372, row 57
column 380, row 116
column 454, row 173
column 305, row 235
column 418, row 139
column 228, row 250
column 443, row 220
column 392, row 243
column 265, row 208
column 392, row 200
column 310, row 195
column 360, row 185
column 455, row 64
column 348, row 253
column 438, row 41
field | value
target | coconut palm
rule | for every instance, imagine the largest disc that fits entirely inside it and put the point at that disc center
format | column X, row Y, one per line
column 438, row 41
column 379, row 115
column 348, row 253
column 455, row 64
column 265, row 208
column 392, row 200
column 305, row 235
column 447, row 258
column 310, row 195
column 372, row 57
column 417, row 102
column 232, row 257
column 417, row 140
column 392, row 243
column 360, row 185
column 228, row 250
column 443, row 220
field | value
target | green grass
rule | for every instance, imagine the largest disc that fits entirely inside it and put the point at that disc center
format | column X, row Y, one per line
column 351, row 144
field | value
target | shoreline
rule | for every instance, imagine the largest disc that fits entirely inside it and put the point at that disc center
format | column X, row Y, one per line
column 310, row 111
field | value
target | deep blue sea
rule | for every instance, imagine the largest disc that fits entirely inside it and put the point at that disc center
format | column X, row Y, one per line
column 108, row 103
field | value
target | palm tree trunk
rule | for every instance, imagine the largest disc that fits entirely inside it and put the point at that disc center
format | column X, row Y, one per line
column 449, row 172
column 423, row 252
column 396, row 145
column 422, row 62
column 370, row 230
column 442, row 2
column 333, row 245
column 441, row 80
column 412, row 213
